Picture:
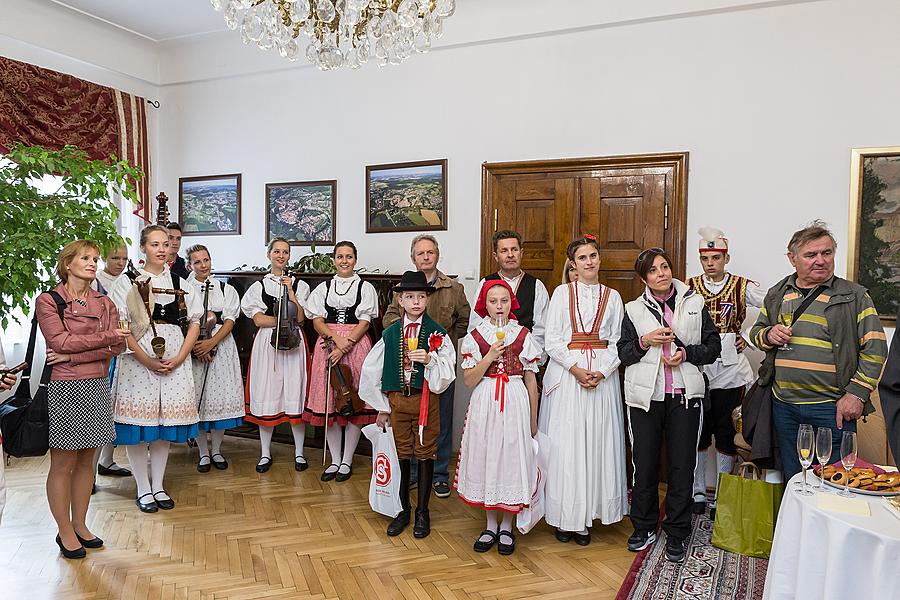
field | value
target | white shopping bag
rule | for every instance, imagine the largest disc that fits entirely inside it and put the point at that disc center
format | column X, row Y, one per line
column 384, row 490
column 531, row 516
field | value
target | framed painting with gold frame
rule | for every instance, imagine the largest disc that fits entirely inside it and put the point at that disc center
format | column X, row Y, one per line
column 874, row 256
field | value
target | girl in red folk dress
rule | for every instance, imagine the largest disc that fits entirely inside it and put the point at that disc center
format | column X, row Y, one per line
column 341, row 309
column 496, row 456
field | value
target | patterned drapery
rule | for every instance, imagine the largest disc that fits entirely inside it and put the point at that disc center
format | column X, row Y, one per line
column 51, row 109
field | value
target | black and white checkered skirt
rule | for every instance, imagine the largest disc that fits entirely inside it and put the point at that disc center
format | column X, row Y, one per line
column 81, row 414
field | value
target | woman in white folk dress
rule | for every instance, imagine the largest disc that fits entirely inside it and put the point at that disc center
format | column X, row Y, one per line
column 341, row 309
column 496, row 467
column 217, row 368
column 154, row 398
column 586, row 472
column 277, row 379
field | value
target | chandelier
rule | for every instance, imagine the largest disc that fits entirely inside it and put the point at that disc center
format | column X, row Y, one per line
column 342, row 33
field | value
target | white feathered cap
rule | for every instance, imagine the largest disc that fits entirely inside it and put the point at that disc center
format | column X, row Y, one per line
column 712, row 240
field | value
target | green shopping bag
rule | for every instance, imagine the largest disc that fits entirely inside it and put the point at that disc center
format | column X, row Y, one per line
column 745, row 513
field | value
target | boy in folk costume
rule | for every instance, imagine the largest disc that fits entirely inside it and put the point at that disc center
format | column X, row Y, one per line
column 727, row 297
column 401, row 378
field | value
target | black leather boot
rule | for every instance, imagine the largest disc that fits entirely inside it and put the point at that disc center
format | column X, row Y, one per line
column 422, row 526
column 401, row 521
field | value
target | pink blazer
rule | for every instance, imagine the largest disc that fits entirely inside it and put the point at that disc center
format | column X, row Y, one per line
column 88, row 334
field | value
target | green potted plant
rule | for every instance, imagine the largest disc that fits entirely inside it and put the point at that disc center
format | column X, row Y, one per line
column 35, row 225
column 315, row 262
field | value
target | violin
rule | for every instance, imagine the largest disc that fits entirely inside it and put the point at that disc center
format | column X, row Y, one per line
column 346, row 397
column 208, row 323
column 287, row 334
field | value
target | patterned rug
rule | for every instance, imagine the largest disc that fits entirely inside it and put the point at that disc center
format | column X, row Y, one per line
column 706, row 573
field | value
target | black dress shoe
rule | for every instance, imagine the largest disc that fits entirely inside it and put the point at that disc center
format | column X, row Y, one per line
column 219, row 464
column 300, row 463
column 344, row 476
column 329, row 475
column 507, row 549
column 485, row 546
column 399, row 523
column 422, row 526
column 203, row 467
column 699, row 508
column 263, row 465
column 165, row 503
column 113, row 470
column 149, row 507
column 563, row 536
column 92, row 544
column 582, row 539
column 79, row 552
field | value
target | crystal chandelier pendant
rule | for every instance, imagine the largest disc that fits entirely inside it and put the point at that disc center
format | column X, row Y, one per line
column 341, row 33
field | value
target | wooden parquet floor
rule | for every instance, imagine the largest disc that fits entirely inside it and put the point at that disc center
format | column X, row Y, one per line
column 240, row 535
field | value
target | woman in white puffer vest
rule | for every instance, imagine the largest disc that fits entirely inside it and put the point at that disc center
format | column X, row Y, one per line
column 667, row 335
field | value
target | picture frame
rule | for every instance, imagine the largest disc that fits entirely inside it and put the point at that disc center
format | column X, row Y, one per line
column 874, row 255
column 210, row 204
column 304, row 212
column 408, row 196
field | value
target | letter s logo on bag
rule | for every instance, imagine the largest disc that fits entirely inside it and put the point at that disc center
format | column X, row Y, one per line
column 382, row 469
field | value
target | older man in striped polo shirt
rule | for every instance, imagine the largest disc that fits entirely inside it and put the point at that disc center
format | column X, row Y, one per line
column 822, row 367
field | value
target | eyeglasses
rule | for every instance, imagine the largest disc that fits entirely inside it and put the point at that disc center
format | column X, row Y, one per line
column 657, row 250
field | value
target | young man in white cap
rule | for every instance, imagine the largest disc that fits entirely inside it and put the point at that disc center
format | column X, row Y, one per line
column 727, row 298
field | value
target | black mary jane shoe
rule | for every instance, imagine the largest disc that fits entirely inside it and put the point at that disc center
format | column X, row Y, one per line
column 300, row 463
column 563, row 536
column 149, row 507
column 93, row 544
column 506, row 549
column 219, row 464
column 165, row 503
column 344, row 476
column 113, row 470
column 399, row 523
column 329, row 475
column 204, row 468
column 422, row 526
column 582, row 539
column 79, row 552
column 481, row 546
column 264, row 464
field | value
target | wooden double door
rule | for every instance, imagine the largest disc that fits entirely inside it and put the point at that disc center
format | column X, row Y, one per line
column 629, row 202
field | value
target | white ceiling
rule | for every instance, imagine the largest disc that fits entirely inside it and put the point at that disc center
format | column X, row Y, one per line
column 156, row 20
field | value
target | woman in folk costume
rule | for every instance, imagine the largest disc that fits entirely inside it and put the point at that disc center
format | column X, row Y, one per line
column 217, row 369
column 341, row 309
column 277, row 378
column 154, row 397
column 586, row 472
column 496, row 457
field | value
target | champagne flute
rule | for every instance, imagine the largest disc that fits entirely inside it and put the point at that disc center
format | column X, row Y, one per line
column 412, row 344
column 805, row 442
column 848, row 459
column 823, row 453
column 125, row 323
column 501, row 333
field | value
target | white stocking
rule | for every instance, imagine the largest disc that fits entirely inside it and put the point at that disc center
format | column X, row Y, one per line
column 203, row 447
column 351, row 439
column 333, row 441
column 159, row 457
column 299, row 431
column 265, row 440
column 217, row 436
column 103, row 456
column 492, row 524
column 506, row 523
column 700, row 476
column 137, row 459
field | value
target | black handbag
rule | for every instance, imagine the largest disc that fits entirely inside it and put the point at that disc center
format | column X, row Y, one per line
column 24, row 420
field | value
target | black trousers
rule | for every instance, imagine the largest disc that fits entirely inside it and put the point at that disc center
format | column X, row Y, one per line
column 680, row 427
column 717, row 421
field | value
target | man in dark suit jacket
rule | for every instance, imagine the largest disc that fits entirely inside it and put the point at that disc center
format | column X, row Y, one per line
column 176, row 263
column 889, row 394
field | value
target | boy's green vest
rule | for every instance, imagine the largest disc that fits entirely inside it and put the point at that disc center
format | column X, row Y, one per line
column 395, row 350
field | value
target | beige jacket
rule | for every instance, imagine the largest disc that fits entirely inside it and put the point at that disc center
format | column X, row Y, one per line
column 448, row 306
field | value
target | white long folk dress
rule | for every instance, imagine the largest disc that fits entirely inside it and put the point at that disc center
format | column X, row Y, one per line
column 586, row 478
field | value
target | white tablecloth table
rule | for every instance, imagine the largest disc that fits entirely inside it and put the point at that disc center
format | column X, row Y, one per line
column 826, row 555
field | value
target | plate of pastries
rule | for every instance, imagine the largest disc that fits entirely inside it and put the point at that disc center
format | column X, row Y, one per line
column 871, row 481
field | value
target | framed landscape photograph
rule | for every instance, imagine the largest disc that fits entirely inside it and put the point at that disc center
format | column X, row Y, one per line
column 874, row 256
column 302, row 211
column 210, row 205
column 408, row 196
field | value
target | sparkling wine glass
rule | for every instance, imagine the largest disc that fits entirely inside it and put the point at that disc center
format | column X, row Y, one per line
column 125, row 323
column 787, row 320
column 805, row 443
column 412, row 344
column 848, row 459
column 823, row 453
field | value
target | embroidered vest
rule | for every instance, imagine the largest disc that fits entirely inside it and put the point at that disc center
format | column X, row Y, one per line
column 342, row 316
column 728, row 308
column 525, row 295
column 508, row 362
column 395, row 351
